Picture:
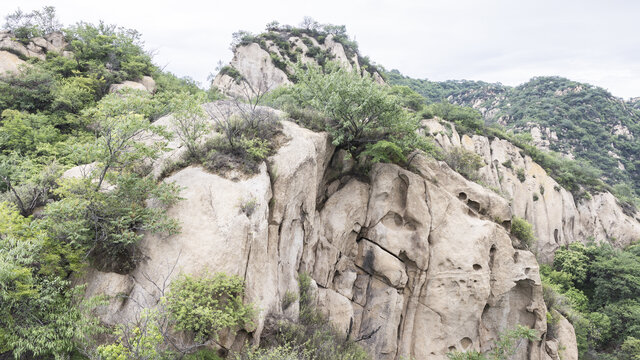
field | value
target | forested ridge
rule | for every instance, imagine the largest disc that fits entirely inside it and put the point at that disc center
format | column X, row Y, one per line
column 585, row 121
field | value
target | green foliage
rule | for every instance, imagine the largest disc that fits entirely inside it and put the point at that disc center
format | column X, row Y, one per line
column 189, row 121
column 467, row 120
column 408, row 98
column 504, row 348
column 523, row 231
column 572, row 261
column 249, row 135
column 630, row 349
column 385, row 151
column 520, row 174
column 595, row 287
column 139, row 343
column 360, row 112
column 106, row 52
column 31, row 89
column 38, row 317
column 583, row 116
column 208, row 304
column 465, row 162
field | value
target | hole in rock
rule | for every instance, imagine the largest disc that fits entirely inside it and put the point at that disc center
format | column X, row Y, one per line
column 477, row 267
column 462, row 196
column 555, row 235
column 466, row 343
column 398, row 220
column 507, row 224
column 474, row 205
column 452, row 348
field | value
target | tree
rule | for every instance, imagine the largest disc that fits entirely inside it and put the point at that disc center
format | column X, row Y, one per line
column 573, row 261
column 208, row 304
column 36, row 23
column 188, row 120
column 361, row 111
column 523, row 231
column 308, row 23
column 38, row 316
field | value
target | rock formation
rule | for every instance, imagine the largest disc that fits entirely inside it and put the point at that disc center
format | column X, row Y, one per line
column 557, row 218
column 258, row 72
column 415, row 263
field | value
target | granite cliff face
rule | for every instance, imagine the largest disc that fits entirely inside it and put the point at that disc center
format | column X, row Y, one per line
column 557, row 218
column 419, row 263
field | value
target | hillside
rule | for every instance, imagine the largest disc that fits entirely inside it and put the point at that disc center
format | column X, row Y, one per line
column 584, row 122
column 301, row 208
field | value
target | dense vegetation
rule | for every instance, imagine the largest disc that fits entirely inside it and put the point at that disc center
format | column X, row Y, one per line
column 598, row 129
column 596, row 287
column 57, row 113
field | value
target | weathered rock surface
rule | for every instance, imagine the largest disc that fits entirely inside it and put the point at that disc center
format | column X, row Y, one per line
column 255, row 65
column 557, row 218
column 400, row 260
column 145, row 84
column 36, row 47
column 259, row 73
column 9, row 62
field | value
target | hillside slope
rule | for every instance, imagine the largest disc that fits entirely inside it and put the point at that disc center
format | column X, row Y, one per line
column 584, row 122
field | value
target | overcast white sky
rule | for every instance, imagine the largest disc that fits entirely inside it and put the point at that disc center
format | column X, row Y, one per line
column 507, row 41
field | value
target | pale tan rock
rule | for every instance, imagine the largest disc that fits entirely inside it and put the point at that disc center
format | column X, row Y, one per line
column 9, row 63
column 148, row 83
column 255, row 65
column 379, row 262
column 127, row 85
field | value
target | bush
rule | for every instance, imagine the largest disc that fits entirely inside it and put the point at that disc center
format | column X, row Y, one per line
column 520, row 174
column 248, row 135
column 360, row 112
column 465, row 162
column 504, row 348
column 108, row 52
column 523, row 231
column 208, row 304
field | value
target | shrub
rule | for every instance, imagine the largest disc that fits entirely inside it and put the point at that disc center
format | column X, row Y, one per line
column 465, row 162
column 248, row 136
column 523, row 231
column 189, row 122
column 520, row 174
column 360, row 111
column 207, row 304
column 504, row 348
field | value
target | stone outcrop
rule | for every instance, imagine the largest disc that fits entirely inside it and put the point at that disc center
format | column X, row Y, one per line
column 36, row 47
column 259, row 73
column 256, row 67
column 10, row 62
column 399, row 260
column 558, row 219
column 145, row 84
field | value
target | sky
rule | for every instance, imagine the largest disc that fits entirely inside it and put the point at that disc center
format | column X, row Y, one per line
column 507, row 41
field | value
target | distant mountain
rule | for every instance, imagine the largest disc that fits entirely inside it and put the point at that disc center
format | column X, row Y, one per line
column 583, row 121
